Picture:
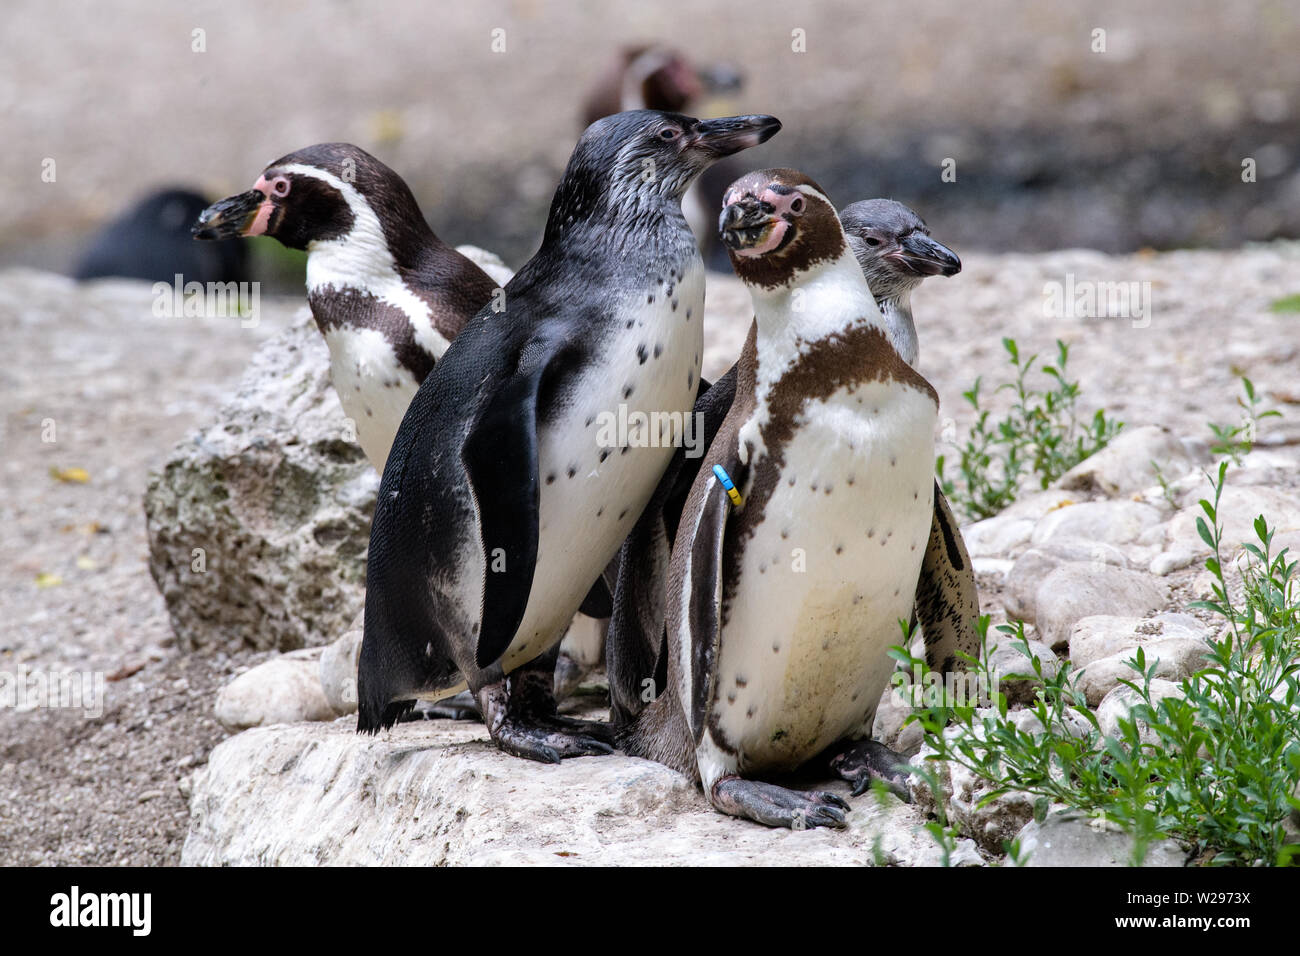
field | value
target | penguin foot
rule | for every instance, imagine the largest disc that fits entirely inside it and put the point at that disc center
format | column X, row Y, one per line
column 775, row 806
column 861, row 761
column 548, row 738
column 461, row 707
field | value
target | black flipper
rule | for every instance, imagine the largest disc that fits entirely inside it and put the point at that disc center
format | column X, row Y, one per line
column 947, row 601
column 500, row 457
column 598, row 603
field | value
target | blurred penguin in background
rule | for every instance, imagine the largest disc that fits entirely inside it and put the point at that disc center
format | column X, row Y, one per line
column 151, row 240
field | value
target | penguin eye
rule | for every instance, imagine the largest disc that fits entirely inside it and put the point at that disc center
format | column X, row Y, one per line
column 280, row 187
column 872, row 241
column 797, row 205
column 668, row 133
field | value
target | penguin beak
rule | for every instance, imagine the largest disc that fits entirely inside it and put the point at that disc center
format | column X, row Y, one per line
column 747, row 227
column 919, row 255
column 230, row 217
column 722, row 137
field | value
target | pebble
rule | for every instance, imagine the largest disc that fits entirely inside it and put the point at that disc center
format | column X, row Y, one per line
column 285, row 689
column 1075, row 591
column 1128, row 464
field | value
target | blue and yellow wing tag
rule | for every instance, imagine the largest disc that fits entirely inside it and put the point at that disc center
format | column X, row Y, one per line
column 732, row 492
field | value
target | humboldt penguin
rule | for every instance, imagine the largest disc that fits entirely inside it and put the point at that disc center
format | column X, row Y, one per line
column 510, row 486
column 387, row 294
column 894, row 248
column 802, row 540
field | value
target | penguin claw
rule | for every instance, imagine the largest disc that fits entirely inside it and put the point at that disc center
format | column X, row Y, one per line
column 775, row 806
column 862, row 761
column 548, row 741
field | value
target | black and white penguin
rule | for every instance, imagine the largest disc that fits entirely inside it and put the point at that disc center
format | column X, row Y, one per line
column 895, row 251
column 894, row 247
column 151, row 240
column 802, row 541
column 504, row 496
column 657, row 76
column 387, row 294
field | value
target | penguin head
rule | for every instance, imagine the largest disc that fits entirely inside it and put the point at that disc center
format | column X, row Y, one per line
column 893, row 246
column 776, row 224
column 308, row 195
column 628, row 161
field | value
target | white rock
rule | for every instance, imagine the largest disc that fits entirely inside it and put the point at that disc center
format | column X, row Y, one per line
column 1104, row 635
column 1022, row 581
column 997, row 567
column 489, row 262
column 338, row 669
column 1067, row 839
column 1128, row 464
column 1120, row 702
column 283, row 690
column 1238, row 509
column 997, row 535
column 439, row 793
column 1106, row 522
column 1075, row 591
column 1175, row 559
column 1174, row 660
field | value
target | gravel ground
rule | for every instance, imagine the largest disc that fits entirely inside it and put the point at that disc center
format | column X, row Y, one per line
column 122, row 386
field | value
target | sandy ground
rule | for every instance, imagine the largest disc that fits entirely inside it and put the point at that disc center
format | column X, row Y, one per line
column 121, row 386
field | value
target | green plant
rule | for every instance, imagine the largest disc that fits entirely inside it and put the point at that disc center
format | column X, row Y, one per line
column 1040, row 437
column 1290, row 303
column 1215, row 767
column 1237, row 440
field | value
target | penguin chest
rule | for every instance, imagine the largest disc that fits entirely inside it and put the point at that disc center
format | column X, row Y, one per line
column 603, row 449
column 830, row 569
column 374, row 388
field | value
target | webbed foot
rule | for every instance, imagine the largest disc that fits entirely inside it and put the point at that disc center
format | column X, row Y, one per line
column 861, row 761
column 775, row 806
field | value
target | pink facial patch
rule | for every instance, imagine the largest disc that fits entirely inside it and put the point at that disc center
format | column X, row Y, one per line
column 774, row 237
column 262, row 220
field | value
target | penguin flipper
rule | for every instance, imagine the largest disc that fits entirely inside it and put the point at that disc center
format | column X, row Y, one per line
column 500, row 458
column 704, row 580
column 947, row 601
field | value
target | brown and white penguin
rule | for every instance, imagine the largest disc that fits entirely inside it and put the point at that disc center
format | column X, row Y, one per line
column 784, row 591
column 387, row 294
column 895, row 250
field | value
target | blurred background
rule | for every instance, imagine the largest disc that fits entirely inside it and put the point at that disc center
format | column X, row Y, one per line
column 1061, row 136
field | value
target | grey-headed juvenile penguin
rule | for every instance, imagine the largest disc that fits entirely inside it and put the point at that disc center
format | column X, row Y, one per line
column 894, row 247
column 387, row 294
column 504, row 496
column 801, row 541
column 895, row 251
